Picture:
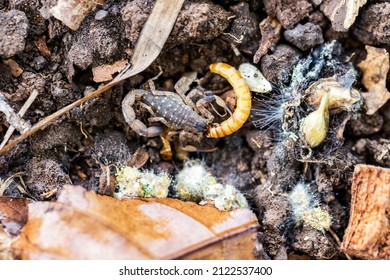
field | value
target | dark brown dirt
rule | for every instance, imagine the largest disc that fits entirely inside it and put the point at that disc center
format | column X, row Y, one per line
column 86, row 144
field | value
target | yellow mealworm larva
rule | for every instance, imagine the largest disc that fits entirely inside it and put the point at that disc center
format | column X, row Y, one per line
column 243, row 104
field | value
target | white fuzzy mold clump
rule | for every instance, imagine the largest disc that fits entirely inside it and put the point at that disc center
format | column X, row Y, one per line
column 195, row 183
column 134, row 183
column 306, row 209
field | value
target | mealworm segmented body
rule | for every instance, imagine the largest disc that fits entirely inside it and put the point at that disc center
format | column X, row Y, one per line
column 243, row 103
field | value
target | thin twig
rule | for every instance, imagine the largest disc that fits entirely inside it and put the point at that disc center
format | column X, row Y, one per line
column 12, row 118
column 21, row 113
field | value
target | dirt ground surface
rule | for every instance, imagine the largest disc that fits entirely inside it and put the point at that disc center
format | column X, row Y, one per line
column 39, row 53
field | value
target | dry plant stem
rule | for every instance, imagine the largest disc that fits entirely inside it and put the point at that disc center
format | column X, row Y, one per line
column 150, row 43
column 21, row 113
column 12, row 118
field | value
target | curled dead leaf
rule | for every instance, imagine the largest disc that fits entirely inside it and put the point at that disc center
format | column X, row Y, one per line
column 342, row 13
column 375, row 68
column 84, row 225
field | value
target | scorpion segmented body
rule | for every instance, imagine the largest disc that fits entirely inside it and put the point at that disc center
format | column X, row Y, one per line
column 177, row 115
column 243, row 104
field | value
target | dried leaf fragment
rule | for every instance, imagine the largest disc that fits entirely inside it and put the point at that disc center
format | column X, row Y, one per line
column 342, row 13
column 13, row 213
column 270, row 30
column 368, row 232
column 84, row 225
column 103, row 73
column 72, row 12
column 375, row 68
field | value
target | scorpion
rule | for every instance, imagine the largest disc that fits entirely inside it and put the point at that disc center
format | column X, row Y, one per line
column 181, row 115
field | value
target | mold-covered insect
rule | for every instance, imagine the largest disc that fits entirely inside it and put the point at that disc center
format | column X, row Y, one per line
column 243, row 105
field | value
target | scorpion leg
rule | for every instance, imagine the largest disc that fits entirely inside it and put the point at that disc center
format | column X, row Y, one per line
column 183, row 85
column 128, row 112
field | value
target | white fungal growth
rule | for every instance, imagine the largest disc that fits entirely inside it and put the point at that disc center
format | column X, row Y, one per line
column 226, row 198
column 254, row 79
column 306, row 209
column 195, row 183
column 134, row 183
column 192, row 181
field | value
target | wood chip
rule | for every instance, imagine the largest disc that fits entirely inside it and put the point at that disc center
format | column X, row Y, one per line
column 103, row 73
column 72, row 12
column 84, row 225
column 368, row 233
column 342, row 13
column 375, row 68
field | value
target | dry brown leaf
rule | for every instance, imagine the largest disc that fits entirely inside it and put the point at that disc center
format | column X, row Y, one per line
column 103, row 73
column 84, row 225
column 72, row 12
column 342, row 13
column 375, row 68
column 368, row 232
column 270, row 30
column 149, row 45
column 13, row 213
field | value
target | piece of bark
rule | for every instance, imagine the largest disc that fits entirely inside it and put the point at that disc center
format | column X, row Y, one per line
column 270, row 30
column 368, row 233
column 84, row 225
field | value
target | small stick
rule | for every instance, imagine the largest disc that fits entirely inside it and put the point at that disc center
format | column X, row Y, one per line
column 21, row 113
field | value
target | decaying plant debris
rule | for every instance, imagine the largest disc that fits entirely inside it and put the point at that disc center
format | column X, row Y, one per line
column 63, row 79
column 368, row 231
